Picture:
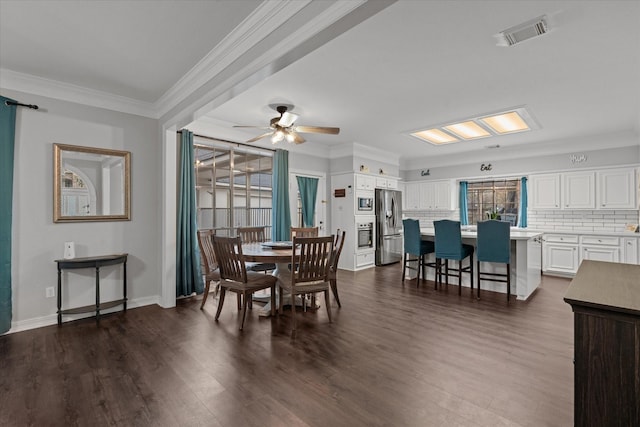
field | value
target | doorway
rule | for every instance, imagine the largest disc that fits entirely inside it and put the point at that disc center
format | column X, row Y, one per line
column 321, row 200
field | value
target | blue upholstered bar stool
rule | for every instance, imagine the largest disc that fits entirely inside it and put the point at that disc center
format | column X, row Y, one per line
column 415, row 246
column 449, row 246
column 494, row 245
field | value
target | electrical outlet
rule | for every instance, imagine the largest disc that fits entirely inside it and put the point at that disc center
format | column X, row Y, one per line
column 50, row 292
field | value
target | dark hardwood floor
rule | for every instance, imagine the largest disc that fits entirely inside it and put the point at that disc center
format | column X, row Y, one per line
column 395, row 355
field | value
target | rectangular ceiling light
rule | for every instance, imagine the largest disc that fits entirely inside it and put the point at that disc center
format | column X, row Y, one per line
column 435, row 136
column 468, row 130
column 506, row 123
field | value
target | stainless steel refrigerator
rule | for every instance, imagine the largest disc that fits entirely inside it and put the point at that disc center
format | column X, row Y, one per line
column 388, row 226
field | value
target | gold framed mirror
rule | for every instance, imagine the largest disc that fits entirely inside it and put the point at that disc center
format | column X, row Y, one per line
column 91, row 184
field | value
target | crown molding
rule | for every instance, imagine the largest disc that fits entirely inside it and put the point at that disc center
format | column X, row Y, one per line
column 35, row 85
column 364, row 152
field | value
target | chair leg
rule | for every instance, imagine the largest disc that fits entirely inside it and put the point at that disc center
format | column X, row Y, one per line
column 273, row 300
column 293, row 312
column 206, row 293
column 478, row 274
column 436, row 276
column 280, row 300
column 418, row 271
column 334, row 289
column 223, row 291
column 239, row 299
column 508, row 281
column 446, row 273
column 459, row 277
column 246, row 296
column 404, row 266
column 327, row 301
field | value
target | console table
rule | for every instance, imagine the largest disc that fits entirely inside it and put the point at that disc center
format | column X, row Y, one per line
column 92, row 262
column 605, row 298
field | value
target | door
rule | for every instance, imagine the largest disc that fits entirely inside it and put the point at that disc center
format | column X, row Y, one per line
column 321, row 200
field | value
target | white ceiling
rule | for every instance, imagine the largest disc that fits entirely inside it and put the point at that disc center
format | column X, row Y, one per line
column 409, row 66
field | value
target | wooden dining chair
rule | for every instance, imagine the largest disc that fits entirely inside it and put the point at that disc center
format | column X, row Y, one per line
column 338, row 243
column 255, row 235
column 235, row 277
column 312, row 258
column 304, row 232
column 208, row 262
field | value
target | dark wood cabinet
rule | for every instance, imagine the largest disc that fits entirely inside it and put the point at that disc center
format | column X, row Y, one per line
column 605, row 298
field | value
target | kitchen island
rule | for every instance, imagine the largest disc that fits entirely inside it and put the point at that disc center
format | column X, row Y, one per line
column 526, row 262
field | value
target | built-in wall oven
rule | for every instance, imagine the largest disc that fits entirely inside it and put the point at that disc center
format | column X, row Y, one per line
column 365, row 235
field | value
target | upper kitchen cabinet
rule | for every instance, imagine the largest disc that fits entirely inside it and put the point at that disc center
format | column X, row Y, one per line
column 617, row 189
column 365, row 182
column 578, row 190
column 430, row 195
column 604, row 189
column 388, row 183
column 544, row 192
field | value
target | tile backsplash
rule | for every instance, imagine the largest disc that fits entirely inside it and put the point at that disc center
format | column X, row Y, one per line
column 551, row 220
column 580, row 220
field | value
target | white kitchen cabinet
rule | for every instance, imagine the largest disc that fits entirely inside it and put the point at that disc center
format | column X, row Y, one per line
column 388, row 183
column 630, row 250
column 600, row 248
column 544, row 191
column 411, row 196
column 578, row 190
column 560, row 254
column 365, row 259
column 365, row 182
column 617, row 189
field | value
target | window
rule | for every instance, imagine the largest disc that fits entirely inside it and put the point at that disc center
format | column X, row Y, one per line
column 497, row 199
column 233, row 188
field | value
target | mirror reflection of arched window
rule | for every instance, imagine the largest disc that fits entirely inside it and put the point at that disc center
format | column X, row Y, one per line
column 78, row 193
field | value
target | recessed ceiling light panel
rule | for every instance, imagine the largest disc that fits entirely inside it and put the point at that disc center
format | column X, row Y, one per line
column 435, row 136
column 468, row 130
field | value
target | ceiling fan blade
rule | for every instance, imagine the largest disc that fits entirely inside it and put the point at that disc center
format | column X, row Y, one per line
column 298, row 139
column 317, row 129
column 287, row 119
column 252, row 127
column 254, row 139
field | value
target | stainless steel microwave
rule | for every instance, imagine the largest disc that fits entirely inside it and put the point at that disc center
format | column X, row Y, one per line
column 365, row 203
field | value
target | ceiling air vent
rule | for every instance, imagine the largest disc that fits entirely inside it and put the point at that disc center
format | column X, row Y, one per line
column 525, row 31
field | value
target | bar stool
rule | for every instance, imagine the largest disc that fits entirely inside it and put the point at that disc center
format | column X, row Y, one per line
column 449, row 246
column 494, row 245
column 414, row 245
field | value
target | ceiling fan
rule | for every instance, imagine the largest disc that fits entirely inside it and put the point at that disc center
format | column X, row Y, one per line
column 284, row 127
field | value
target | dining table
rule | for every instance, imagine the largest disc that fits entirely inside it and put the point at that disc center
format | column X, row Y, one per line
column 278, row 253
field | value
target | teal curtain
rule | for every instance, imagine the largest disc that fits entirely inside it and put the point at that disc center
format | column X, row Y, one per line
column 464, row 209
column 188, row 273
column 280, row 214
column 522, row 221
column 308, row 190
column 7, row 138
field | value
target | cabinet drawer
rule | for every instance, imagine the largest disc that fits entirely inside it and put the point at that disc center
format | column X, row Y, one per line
column 601, row 240
column 561, row 238
column 367, row 258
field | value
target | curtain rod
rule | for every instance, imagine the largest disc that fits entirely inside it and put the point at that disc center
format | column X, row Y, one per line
column 231, row 142
column 32, row 106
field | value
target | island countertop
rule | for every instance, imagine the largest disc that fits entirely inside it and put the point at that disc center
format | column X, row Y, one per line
column 609, row 285
column 516, row 234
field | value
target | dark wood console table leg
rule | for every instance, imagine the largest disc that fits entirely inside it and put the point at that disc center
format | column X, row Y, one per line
column 59, row 295
column 124, row 285
column 97, row 294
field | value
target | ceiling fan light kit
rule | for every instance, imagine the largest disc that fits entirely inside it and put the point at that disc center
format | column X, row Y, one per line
column 284, row 128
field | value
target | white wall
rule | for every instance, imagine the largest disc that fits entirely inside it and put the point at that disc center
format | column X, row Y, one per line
column 38, row 241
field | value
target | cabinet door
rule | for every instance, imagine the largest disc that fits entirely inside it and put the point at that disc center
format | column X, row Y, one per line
column 427, row 196
column 601, row 253
column 560, row 258
column 544, row 192
column 630, row 248
column 616, row 189
column 392, row 184
column 411, row 196
column 442, row 195
column 578, row 190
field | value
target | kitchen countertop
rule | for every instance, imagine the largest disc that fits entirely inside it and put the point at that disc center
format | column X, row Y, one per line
column 516, row 234
column 606, row 285
column 594, row 233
